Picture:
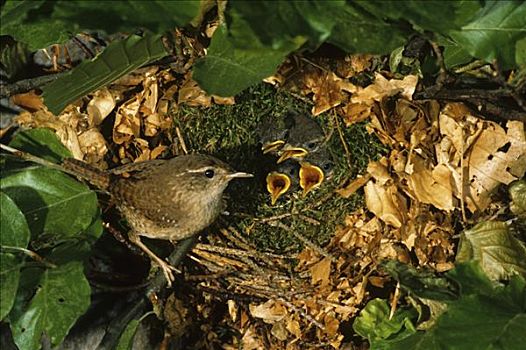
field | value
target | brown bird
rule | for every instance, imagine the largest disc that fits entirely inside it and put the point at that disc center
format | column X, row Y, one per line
column 163, row 199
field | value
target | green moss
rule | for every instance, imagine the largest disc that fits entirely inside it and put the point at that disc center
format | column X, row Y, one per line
column 230, row 133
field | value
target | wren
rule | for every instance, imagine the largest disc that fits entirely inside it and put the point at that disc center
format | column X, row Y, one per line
column 163, row 199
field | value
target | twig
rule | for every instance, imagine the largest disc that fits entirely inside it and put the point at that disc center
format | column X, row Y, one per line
column 28, row 84
column 394, row 302
column 306, row 242
column 31, row 254
column 181, row 139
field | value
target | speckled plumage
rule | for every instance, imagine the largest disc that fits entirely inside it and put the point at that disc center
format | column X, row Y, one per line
column 164, row 199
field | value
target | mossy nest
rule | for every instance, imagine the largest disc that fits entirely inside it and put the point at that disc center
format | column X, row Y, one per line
column 230, row 132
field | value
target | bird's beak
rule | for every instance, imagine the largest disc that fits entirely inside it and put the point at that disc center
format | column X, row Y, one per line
column 272, row 146
column 291, row 152
column 277, row 185
column 239, row 175
column 311, row 177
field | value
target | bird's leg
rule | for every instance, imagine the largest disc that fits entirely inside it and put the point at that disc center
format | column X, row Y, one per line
column 165, row 267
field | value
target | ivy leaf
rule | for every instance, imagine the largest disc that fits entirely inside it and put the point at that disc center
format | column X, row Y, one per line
column 62, row 296
column 15, row 233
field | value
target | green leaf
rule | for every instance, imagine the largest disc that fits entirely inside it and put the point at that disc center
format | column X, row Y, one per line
column 494, row 32
column 62, row 296
column 126, row 339
column 53, row 203
column 118, row 59
column 520, row 52
column 485, row 319
column 374, row 324
column 42, row 143
column 423, row 283
column 499, row 253
column 44, row 23
column 517, row 192
column 436, row 16
column 359, row 31
column 14, row 233
column 227, row 70
column 487, row 315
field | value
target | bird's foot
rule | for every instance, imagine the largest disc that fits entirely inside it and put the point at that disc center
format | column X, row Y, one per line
column 168, row 270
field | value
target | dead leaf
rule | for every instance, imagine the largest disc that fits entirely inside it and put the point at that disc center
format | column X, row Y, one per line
column 320, row 272
column 383, row 88
column 384, row 202
column 30, row 101
column 100, row 106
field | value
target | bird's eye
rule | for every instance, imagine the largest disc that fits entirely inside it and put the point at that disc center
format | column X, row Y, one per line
column 327, row 166
column 310, row 146
column 209, row 173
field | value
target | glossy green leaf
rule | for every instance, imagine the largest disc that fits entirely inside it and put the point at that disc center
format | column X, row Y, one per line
column 53, row 203
column 14, row 233
column 485, row 316
column 126, row 339
column 491, row 244
column 374, row 324
column 494, row 32
column 62, row 295
column 359, row 31
column 118, row 59
column 227, row 70
column 434, row 15
column 40, row 24
column 423, row 283
column 40, row 142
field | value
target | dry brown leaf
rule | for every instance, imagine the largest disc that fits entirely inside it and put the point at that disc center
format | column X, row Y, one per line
column 279, row 330
column 191, row 94
column 100, row 106
column 383, row 88
column 127, row 121
column 494, row 152
column 270, row 311
column 293, row 326
column 93, row 145
column 321, row 272
column 45, row 119
column 354, row 186
column 385, row 202
column 227, row 101
column 355, row 112
column 326, row 87
column 433, row 186
column 492, row 155
column 29, row 101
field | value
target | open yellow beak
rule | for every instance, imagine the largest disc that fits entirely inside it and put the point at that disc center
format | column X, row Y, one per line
column 291, row 152
column 311, row 177
column 273, row 146
column 277, row 185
